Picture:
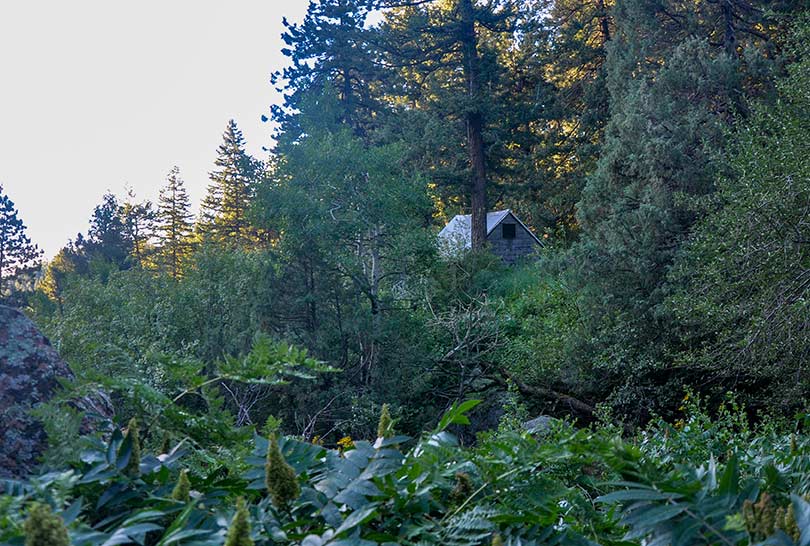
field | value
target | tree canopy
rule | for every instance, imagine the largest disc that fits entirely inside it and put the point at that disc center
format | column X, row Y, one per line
column 635, row 381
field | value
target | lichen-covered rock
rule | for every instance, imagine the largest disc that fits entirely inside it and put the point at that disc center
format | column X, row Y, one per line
column 29, row 372
column 539, row 425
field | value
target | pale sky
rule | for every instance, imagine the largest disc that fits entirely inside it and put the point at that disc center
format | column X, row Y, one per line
column 100, row 95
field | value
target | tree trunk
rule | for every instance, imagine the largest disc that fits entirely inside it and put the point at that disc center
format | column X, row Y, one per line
column 729, row 36
column 374, row 299
column 475, row 125
column 312, row 312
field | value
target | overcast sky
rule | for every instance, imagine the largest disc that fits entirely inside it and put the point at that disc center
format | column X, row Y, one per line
column 98, row 95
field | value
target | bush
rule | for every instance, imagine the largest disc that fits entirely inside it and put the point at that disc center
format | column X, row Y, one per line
column 685, row 484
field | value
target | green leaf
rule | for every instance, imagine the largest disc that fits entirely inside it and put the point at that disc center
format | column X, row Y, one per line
column 456, row 415
column 127, row 535
column 176, row 525
column 654, row 514
column 730, row 480
column 124, row 453
column 72, row 511
column 636, row 495
column 356, row 518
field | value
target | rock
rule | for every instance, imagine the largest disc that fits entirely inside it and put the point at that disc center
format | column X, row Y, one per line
column 29, row 371
column 539, row 425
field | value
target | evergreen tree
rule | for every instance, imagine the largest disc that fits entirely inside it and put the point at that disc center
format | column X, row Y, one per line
column 70, row 260
column 672, row 91
column 139, row 226
column 542, row 98
column 225, row 208
column 117, row 239
column 743, row 277
column 174, row 224
column 330, row 51
column 445, row 38
column 107, row 241
column 559, row 108
column 19, row 257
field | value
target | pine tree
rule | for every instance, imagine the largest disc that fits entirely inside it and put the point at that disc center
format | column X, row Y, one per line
column 18, row 255
column 225, row 207
column 673, row 89
column 139, row 225
column 107, row 240
column 174, row 224
column 331, row 51
column 556, row 107
column 747, row 261
column 450, row 57
column 70, row 260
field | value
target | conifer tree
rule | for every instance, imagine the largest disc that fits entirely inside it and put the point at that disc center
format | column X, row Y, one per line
column 225, row 208
column 70, row 260
column 139, row 226
column 673, row 89
column 747, row 261
column 331, row 51
column 107, row 240
column 174, row 224
column 557, row 107
column 18, row 255
column 431, row 38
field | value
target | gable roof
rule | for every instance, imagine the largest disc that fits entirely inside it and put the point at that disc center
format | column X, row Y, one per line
column 458, row 232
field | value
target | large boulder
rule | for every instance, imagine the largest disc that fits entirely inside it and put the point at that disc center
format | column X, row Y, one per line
column 29, row 371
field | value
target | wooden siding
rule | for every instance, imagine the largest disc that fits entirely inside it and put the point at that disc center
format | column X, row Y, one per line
column 512, row 250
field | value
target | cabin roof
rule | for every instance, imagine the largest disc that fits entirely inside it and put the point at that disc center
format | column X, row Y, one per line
column 459, row 232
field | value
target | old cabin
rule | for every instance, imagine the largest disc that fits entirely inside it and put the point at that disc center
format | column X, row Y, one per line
column 507, row 236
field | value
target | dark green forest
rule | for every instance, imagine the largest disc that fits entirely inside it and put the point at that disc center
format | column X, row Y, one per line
column 301, row 363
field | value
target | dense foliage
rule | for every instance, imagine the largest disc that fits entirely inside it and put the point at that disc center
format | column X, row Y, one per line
column 660, row 151
column 657, row 148
column 19, row 257
column 702, row 481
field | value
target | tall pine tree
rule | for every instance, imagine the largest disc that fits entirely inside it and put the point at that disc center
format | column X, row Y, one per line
column 174, row 224
column 108, row 242
column 224, row 216
column 331, row 51
column 560, row 55
column 139, row 226
column 19, row 257
column 446, row 64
